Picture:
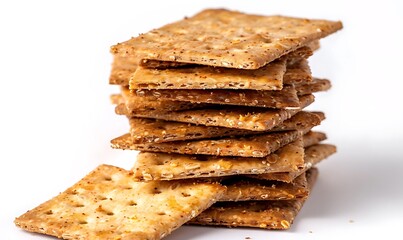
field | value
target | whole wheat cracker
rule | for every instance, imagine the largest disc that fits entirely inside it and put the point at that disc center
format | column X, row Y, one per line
column 285, row 98
column 163, row 166
column 109, row 204
column 224, row 38
column 241, row 188
column 269, row 77
column 250, row 146
column 145, row 130
column 123, row 69
column 302, row 52
column 255, row 119
column 313, row 155
column 256, row 214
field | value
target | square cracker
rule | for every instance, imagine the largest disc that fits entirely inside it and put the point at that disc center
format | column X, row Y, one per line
column 313, row 155
column 223, row 38
column 145, row 130
column 242, row 188
column 109, row 204
column 302, row 52
column 256, row 214
column 163, row 166
column 255, row 119
column 124, row 67
column 249, row 146
column 285, row 98
column 269, row 77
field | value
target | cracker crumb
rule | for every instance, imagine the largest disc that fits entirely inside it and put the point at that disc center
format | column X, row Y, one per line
column 248, row 238
column 351, row 221
column 310, row 232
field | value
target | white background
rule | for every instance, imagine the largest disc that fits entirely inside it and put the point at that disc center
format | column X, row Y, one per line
column 56, row 119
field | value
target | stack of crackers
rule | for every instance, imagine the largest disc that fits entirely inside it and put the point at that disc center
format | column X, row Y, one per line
column 216, row 106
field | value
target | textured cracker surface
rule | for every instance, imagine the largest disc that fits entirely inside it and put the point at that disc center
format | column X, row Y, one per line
column 313, row 155
column 109, row 204
column 256, row 214
column 240, row 188
column 163, row 166
column 224, row 38
column 255, row 119
column 269, row 77
column 145, row 130
column 285, row 98
column 250, row 146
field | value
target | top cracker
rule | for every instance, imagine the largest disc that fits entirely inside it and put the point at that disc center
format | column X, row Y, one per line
column 223, row 38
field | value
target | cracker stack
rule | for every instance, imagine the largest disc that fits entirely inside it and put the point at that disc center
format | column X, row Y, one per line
column 220, row 96
column 216, row 105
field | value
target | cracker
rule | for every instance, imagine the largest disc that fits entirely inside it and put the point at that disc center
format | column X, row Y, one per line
column 134, row 103
column 255, row 119
column 269, row 77
column 256, row 214
column 163, row 166
column 285, row 98
column 109, row 204
column 123, row 69
column 302, row 52
column 313, row 155
column 317, row 85
column 223, row 38
column 299, row 72
column 250, row 146
column 145, row 130
column 240, row 188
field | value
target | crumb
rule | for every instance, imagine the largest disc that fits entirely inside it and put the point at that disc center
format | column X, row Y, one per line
column 248, row 238
column 351, row 221
column 310, row 232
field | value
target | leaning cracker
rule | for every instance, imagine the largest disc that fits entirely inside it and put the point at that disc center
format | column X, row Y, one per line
column 285, row 98
column 249, row 146
column 145, row 130
column 241, row 188
column 163, row 166
column 223, row 38
column 313, row 155
column 255, row 119
column 256, row 214
column 269, row 77
column 109, row 204
column 316, row 85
